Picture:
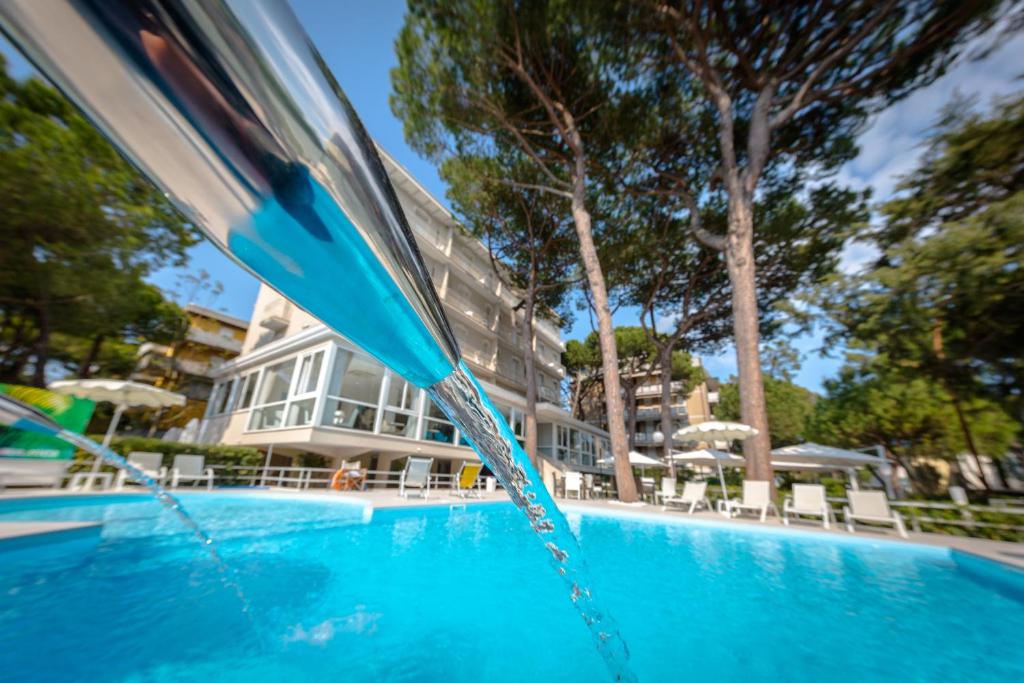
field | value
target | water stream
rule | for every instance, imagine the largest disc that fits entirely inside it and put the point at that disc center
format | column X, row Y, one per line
column 171, row 503
column 464, row 401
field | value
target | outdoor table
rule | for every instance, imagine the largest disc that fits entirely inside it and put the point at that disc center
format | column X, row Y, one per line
column 87, row 479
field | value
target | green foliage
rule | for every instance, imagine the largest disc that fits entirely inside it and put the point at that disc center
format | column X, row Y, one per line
column 81, row 228
column 238, row 456
column 790, row 407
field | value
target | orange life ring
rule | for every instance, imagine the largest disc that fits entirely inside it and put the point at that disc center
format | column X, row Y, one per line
column 336, row 479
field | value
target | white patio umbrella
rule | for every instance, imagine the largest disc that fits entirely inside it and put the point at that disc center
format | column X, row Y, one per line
column 825, row 456
column 636, row 459
column 711, row 456
column 715, row 430
column 122, row 393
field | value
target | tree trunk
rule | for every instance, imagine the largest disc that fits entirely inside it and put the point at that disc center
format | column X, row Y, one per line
column 85, row 369
column 965, row 427
column 665, row 361
column 42, row 350
column 739, row 254
column 629, row 387
column 529, row 362
column 609, row 353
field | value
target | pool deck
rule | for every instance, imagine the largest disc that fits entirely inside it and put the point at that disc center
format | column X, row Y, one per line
column 1000, row 551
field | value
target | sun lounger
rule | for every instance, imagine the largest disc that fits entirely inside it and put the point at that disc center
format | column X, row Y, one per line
column 574, row 484
column 467, row 478
column 149, row 463
column 871, row 506
column 416, row 475
column 189, row 467
column 757, row 497
column 694, row 495
column 808, row 500
column 32, row 472
column 668, row 490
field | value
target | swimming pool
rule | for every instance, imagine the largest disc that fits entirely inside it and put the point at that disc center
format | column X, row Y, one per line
column 432, row 594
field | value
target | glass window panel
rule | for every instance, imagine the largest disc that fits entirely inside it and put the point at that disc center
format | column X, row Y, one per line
column 248, row 390
column 349, row 415
column 268, row 417
column 435, row 413
column 402, row 394
column 398, row 424
column 300, row 413
column 224, row 399
column 276, row 381
column 436, row 430
column 518, row 423
column 356, row 377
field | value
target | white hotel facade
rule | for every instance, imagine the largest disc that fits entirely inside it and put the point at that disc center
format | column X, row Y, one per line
column 300, row 388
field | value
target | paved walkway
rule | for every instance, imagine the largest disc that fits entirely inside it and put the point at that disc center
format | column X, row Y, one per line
column 1009, row 553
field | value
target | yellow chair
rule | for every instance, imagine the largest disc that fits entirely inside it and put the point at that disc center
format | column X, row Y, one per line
column 466, row 479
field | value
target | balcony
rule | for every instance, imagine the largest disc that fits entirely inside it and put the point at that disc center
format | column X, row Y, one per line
column 655, row 389
column 214, row 339
column 275, row 315
column 548, row 329
column 655, row 413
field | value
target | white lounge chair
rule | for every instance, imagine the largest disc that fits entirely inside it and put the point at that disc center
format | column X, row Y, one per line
column 757, row 497
column 808, row 500
column 574, row 484
column 32, row 472
column 189, row 467
column 466, row 482
column 871, row 506
column 416, row 475
column 150, row 464
column 695, row 493
column 668, row 490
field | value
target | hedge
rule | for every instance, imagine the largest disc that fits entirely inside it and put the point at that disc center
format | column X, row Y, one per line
column 214, row 454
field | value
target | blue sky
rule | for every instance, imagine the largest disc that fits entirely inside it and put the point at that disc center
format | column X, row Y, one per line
column 358, row 45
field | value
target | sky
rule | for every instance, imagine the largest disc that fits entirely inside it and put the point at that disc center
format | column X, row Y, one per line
column 358, row 46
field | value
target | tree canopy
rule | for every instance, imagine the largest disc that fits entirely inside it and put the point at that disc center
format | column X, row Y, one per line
column 81, row 228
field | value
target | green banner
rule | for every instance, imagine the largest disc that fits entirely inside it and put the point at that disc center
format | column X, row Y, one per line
column 69, row 412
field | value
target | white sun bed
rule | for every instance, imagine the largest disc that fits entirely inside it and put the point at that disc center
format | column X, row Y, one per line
column 695, row 493
column 871, row 506
column 808, row 500
column 189, row 467
column 757, row 497
column 150, row 463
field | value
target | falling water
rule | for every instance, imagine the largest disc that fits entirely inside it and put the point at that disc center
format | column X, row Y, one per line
column 465, row 402
column 224, row 571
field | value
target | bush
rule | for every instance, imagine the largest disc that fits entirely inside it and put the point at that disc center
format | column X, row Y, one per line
column 237, row 456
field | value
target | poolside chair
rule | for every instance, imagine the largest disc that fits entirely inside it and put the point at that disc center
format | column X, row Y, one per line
column 467, row 479
column 757, row 497
column 871, row 506
column 695, row 493
column 668, row 490
column 574, row 484
column 808, row 500
column 647, row 488
column 189, row 467
column 32, row 472
column 150, row 463
column 416, row 475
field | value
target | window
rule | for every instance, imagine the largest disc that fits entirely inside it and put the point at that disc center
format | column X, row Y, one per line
column 438, row 428
column 300, row 409
column 272, row 396
column 402, row 403
column 248, row 390
column 353, row 392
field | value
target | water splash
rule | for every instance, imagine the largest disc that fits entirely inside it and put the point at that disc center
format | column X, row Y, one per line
column 225, row 573
column 464, row 401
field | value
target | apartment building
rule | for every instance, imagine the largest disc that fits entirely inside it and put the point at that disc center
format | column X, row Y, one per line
column 189, row 366
column 686, row 409
column 300, row 388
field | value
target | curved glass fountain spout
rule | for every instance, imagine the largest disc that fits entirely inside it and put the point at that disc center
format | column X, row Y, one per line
column 226, row 105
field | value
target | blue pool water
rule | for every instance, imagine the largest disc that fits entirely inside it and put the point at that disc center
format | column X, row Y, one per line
column 466, row 595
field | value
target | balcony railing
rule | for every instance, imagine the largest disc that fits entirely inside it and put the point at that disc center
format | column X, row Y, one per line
column 213, row 339
column 655, row 413
column 655, row 389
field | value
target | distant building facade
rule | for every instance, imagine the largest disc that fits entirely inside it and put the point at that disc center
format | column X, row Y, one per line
column 693, row 407
column 301, row 388
column 188, row 367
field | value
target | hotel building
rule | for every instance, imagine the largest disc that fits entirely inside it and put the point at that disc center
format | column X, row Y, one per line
column 301, row 388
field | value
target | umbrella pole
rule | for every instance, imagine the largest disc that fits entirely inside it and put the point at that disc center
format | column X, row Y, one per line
column 721, row 480
column 106, row 443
